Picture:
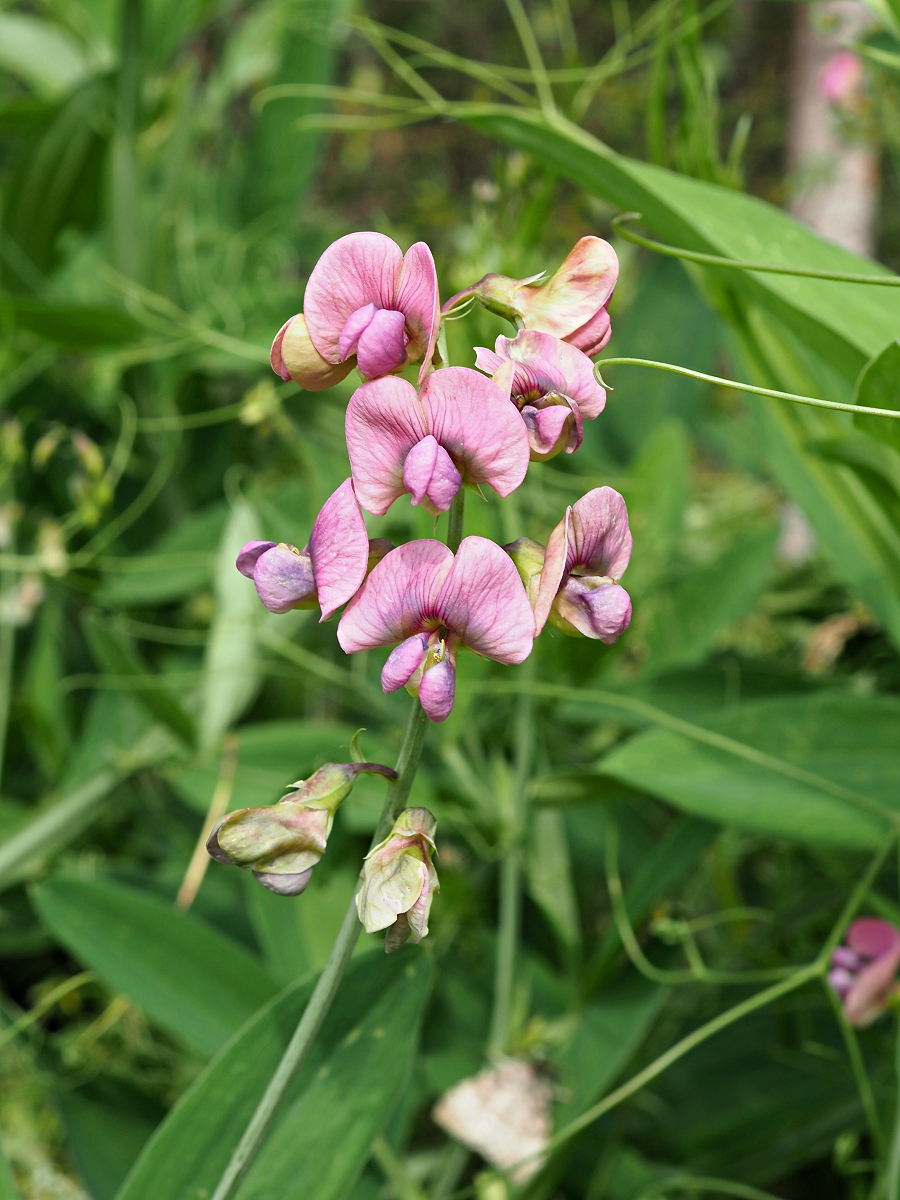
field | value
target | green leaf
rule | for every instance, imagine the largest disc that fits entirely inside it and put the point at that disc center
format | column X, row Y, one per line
column 8, row 1190
column 607, row 1035
column 197, row 983
column 75, row 326
column 550, row 876
column 341, row 1099
column 108, row 1123
column 878, row 386
column 231, row 668
column 41, row 54
column 850, row 741
column 116, row 655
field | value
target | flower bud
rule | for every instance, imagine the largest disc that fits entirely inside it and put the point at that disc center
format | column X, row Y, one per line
column 283, row 575
column 293, row 356
column 282, row 842
column 528, row 557
column 399, row 881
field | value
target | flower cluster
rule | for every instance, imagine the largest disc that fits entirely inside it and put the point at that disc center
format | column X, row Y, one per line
column 368, row 305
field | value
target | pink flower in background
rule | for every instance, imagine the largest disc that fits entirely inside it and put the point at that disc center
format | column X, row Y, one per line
column 459, row 427
column 366, row 304
column 329, row 570
column 586, row 556
column 842, row 78
column 863, row 970
column 553, row 387
column 571, row 304
column 431, row 602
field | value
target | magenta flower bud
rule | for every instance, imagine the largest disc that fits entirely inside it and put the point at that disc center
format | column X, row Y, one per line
column 399, row 880
column 864, row 969
column 429, row 473
column 586, row 556
column 249, row 556
column 571, row 305
column 366, row 305
column 284, row 578
column 281, row 843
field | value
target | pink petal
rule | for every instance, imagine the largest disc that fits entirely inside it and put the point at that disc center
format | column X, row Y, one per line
column 354, row 271
column 403, row 662
column 484, row 603
column 478, row 428
column 275, row 353
column 593, row 335
column 354, row 327
column 844, row 957
column 563, row 367
column 874, row 983
column 398, row 598
column 437, row 689
column 247, row 559
column 486, row 360
column 600, row 539
column 429, row 474
column 870, row 937
column 284, row 578
column 602, row 613
column 418, row 299
column 548, row 430
column 841, row 980
column 575, row 295
column 295, row 357
column 384, row 421
column 382, row 345
column 339, row 549
column 554, row 570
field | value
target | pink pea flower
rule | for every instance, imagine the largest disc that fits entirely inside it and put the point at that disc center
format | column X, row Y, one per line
column 571, row 304
column 459, row 427
column 842, row 78
column 327, row 571
column 366, row 304
column 577, row 588
column 431, row 602
column 553, row 387
column 863, row 970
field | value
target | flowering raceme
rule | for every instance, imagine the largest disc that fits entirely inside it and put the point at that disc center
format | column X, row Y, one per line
column 432, row 602
column 458, row 428
column 571, row 304
column 366, row 305
column 553, row 386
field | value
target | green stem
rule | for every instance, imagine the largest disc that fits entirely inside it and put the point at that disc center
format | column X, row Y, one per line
column 7, row 651
column 834, row 405
column 699, row 1183
column 533, row 54
column 329, row 981
column 455, row 520
column 893, row 1171
column 863, row 1086
column 716, row 260
column 124, row 159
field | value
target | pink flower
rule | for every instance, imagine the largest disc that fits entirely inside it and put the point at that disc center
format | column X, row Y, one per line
column 399, row 881
column 586, row 556
column 367, row 304
column 841, row 79
column 327, row 571
column 553, row 387
column 863, row 970
column 458, row 427
column 571, row 304
column 431, row 602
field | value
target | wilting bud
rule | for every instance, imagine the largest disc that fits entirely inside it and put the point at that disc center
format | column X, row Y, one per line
column 283, row 575
column 528, row 556
column 293, row 356
column 282, row 842
column 863, row 970
column 399, row 881
column 571, row 305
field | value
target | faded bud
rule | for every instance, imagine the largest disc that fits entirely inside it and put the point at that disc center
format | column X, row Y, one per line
column 399, row 881
column 282, row 842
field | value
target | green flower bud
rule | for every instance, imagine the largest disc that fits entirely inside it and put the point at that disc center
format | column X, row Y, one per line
column 528, row 557
column 399, row 881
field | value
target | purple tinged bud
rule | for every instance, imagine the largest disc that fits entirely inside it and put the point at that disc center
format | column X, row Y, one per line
column 249, row 556
column 437, row 688
column 399, row 880
column 285, row 885
column 284, row 578
column 430, row 475
column 592, row 607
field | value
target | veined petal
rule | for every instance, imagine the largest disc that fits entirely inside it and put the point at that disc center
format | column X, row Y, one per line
column 354, row 327
column 339, row 549
column 430, row 476
column 602, row 613
column 418, row 299
column 488, row 360
column 592, row 336
column 384, row 421
column 382, row 344
column 484, row 603
column 478, row 428
column 438, row 688
column 399, row 597
column 575, row 293
column 600, row 538
column 551, row 358
column 403, row 662
column 553, row 572
column 354, row 271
